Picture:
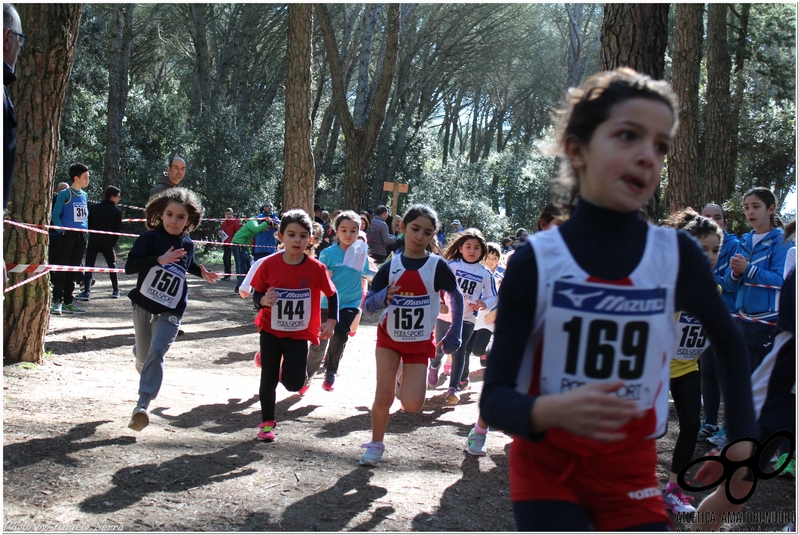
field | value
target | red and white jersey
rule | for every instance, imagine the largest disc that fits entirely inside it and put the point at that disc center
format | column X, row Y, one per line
column 411, row 315
column 588, row 330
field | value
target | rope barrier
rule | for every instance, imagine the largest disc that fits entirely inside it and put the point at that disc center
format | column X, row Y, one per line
column 753, row 320
column 38, row 268
column 34, row 229
column 763, row 286
column 26, row 281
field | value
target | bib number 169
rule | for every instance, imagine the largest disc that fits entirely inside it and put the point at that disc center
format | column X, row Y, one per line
column 603, row 346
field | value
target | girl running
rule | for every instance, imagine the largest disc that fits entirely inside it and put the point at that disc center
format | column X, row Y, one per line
column 406, row 289
column 579, row 369
column 691, row 342
column 161, row 256
column 479, row 292
column 756, row 273
column 348, row 264
column 286, row 288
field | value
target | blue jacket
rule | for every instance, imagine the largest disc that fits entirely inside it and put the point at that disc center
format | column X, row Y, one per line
column 722, row 267
column 265, row 241
column 766, row 265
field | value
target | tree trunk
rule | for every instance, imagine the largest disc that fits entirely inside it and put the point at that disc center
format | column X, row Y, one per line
column 741, row 55
column 201, row 88
column 718, row 178
column 635, row 35
column 298, row 170
column 683, row 161
column 121, row 39
column 360, row 140
column 43, row 71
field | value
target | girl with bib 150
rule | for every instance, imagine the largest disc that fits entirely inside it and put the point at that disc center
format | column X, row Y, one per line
column 579, row 369
column 161, row 256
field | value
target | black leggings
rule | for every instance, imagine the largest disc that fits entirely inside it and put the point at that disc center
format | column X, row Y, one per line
column 557, row 515
column 711, row 390
column 685, row 390
column 295, row 356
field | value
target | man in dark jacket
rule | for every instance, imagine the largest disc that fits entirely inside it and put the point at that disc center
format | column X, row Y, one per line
column 13, row 39
column 171, row 178
column 106, row 216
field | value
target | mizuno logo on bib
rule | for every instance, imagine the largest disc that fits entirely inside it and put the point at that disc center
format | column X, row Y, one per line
column 292, row 310
column 408, row 318
column 164, row 285
column 600, row 333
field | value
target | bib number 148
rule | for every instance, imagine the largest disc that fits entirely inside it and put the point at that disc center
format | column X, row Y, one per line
column 604, row 347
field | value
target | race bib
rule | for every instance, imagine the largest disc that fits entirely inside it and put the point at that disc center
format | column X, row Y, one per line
column 292, row 310
column 408, row 318
column 598, row 333
column 164, row 285
column 691, row 341
column 80, row 212
column 468, row 283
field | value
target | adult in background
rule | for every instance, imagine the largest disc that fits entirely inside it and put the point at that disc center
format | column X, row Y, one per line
column 379, row 236
column 172, row 177
column 13, row 40
column 107, row 216
column 70, row 210
column 266, row 241
column 229, row 228
column 456, row 227
column 317, row 215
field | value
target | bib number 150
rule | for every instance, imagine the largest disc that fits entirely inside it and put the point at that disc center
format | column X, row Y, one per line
column 603, row 345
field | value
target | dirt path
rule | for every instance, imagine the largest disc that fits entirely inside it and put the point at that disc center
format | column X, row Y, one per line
column 70, row 462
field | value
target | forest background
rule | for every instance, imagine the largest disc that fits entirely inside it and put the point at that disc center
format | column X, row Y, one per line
column 454, row 100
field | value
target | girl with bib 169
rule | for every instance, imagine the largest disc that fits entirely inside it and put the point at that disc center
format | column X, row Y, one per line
column 579, row 369
column 287, row 289
column 407, row 289
column 161, row 256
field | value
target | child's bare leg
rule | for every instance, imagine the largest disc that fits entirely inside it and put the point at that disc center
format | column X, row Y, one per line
column 414, row 386
column 387, row 365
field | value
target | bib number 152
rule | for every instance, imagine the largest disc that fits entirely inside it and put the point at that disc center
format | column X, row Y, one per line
column 606, row 346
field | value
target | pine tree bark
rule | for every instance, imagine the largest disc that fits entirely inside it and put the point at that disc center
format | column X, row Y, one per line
column 298, row 171
column 635, row 36
column 718, row 177
column 741, row 55
column 43, row 70
column 121, row 40
column 684, row 166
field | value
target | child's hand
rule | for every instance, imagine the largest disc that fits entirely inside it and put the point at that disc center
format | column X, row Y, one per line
column 327, row 329
column 392, row 290
column 209, row 276
column 591, row 411
column 443, row 309
column 738, row 264
column 269, row 299
column 244, row 293
column 172, row 255
column 491, row 317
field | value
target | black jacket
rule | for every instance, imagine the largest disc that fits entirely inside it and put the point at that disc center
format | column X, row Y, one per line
column 9, row 134
column 105, row 215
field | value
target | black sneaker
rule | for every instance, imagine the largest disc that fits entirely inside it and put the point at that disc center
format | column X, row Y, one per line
column 116, row 294
column 83, row 296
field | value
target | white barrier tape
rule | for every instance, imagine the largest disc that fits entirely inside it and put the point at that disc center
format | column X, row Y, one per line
column 38, row 268
column 753, row 320
column 26, row 281
column 762, row 286
column 34, row 229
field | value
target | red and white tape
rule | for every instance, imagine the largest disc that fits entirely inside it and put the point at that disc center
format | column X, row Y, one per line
column 38, row 268
column 26, row 281
column 753, row 320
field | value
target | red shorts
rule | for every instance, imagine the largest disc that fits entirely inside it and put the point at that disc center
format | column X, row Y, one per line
column 618, row 490
column 410, row 353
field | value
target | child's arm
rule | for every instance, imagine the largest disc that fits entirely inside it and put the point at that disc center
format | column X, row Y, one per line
column 445, row 280
column 140, row 260
column 327, row 329
column 58, row 208
column 245, row 288
column 381, row 293
column 741, row 269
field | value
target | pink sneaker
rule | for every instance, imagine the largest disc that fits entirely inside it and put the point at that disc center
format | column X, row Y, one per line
column 447, row 368
column 304, row 389
column 327, row 386
column 266, row 431
column 257, row 359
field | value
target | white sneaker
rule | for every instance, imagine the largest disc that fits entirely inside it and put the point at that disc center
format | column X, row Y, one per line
column 476, row 444
column 140, row 419
column 677, row 502
column 373, row 454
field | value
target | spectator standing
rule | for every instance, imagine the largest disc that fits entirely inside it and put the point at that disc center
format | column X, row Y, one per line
column 106, row 216
column 379, row 236
column 229, row 228
column 70, row 210
column 456, row 227
column 13, row 40
column 317, row 215
column 241, row 248
column 172, row 177
column 266, row 241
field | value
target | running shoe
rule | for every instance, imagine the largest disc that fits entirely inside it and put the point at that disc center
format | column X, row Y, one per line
column 83, row 296
column 225, row 278
column 140, row 419
column 373, row 454
column 476, row 444
column 453, row 396
column 447, row 368
column 327, row 385
column 55, row 310
column 464, row 385
column 483, row 360
column 72, row 308
column 257, row 359
column 116, row 294
column 707, row 431
column 266, row 431
column 432, row 378
column 676, row 501
column 304, row 389
column 719, row 439
column 790, row 469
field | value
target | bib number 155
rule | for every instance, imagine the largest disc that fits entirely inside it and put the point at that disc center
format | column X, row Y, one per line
column 604, row 348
